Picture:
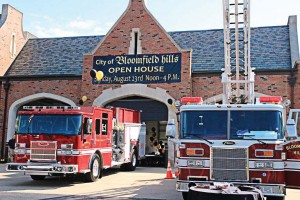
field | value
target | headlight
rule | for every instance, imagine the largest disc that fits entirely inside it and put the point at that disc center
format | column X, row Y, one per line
column 20, row 151
column 20, row 148
column 264, row 164
column 20, row 145
column 264, row 153
column 67, row 146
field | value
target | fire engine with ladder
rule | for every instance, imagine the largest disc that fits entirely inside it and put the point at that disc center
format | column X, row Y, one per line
column 63, row 140
column 245, row 141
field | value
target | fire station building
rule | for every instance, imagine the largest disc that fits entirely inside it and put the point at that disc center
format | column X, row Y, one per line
column 142, row 67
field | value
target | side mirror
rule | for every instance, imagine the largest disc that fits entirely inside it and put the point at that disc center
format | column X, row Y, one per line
column 171, row 128
column 291, row 129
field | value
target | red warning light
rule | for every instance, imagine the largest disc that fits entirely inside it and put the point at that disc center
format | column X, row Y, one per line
column 194, row 100
column 270, row 99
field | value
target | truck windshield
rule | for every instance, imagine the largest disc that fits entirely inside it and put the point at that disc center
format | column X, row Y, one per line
column 242, row 125
column 204, row 124
column 49, row 124
column 256, row 125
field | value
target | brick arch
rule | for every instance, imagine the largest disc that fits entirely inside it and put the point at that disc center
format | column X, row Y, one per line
column 16, row 105
column 142, row 90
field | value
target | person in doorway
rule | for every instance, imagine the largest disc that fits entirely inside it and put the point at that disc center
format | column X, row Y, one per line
column 11, row 148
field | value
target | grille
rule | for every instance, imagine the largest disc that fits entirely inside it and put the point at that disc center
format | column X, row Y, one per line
column 43, row 151
column 229, row 164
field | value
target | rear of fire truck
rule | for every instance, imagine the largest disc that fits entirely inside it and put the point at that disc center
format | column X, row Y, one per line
column 62, row 140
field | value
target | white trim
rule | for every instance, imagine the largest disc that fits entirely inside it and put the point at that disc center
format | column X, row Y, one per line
column 127, row 90
column 12, row 49
column 292, row 165
column 12, row 114
column 132, row 42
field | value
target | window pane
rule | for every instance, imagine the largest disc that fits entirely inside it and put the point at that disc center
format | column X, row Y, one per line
column 49, row 124
column 204, row 124
column 256, row 125
column 104, row 126
column 98, row 122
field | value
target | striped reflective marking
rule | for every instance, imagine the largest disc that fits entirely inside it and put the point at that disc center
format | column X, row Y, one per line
column 183, row 162
column 292, row 165
column 276, row 164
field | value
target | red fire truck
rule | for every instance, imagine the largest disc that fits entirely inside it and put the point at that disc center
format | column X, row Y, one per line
column 53, row 141
column 240, row 144
column 243, row 140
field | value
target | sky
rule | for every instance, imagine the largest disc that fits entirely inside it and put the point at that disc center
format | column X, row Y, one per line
column 63, row 18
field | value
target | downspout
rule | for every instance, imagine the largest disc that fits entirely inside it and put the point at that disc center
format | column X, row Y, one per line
column 292, row 81
column 6, row 88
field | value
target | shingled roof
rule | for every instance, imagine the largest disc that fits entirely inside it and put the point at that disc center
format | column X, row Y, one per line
column 53, row 56
column 270, row 50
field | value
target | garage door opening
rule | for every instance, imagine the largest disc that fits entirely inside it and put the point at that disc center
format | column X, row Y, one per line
column 155, row 115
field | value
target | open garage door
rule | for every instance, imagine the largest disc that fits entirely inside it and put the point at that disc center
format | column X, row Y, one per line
column 155, row 115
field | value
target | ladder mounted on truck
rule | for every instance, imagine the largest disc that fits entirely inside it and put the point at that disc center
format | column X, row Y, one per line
column 237, row 76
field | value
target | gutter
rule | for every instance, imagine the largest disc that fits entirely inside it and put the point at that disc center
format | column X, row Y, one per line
column 6, row 86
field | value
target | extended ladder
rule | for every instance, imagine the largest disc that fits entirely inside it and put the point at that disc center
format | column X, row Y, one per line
column 237, row 76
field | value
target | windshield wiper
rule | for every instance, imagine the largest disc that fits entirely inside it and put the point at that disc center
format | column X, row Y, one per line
column 250, row 136
column 258, row 140
column 29, row 122
column 199, row 137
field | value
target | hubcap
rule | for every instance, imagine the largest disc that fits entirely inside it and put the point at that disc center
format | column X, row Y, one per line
column 133, row 160
column 95, row 168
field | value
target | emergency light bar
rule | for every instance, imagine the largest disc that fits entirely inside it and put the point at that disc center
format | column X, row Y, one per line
column 192, row 100
column 270, row 99
column 51, row 107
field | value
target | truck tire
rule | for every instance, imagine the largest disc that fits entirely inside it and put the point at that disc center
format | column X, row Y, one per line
column 132, row 164
column 275, row 198
column 95, row 169
column 184, row 195
column 37, row 177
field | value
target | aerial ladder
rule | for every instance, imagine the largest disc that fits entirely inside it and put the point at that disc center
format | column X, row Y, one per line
column 237, row 76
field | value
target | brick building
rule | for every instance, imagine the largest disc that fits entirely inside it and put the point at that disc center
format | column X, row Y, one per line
column 144, row 68
column 12, row 36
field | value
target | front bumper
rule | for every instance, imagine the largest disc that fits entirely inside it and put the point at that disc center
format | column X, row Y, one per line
column 267, row 189
column 42, row 168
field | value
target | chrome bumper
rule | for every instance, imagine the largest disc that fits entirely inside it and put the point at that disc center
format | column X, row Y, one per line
column 267, row 189
column 41, row 168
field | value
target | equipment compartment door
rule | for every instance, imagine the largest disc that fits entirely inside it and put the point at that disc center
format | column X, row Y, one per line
column 292, row 164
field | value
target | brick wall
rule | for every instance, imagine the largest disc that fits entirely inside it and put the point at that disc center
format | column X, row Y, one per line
column 69, row 88
column 154, row 40
column 11, row 20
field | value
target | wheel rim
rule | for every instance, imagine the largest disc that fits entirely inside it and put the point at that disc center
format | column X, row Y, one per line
column 133, row 160
column 96, row 168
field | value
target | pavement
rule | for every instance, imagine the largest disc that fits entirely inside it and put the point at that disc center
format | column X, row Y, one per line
column 145, row 183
